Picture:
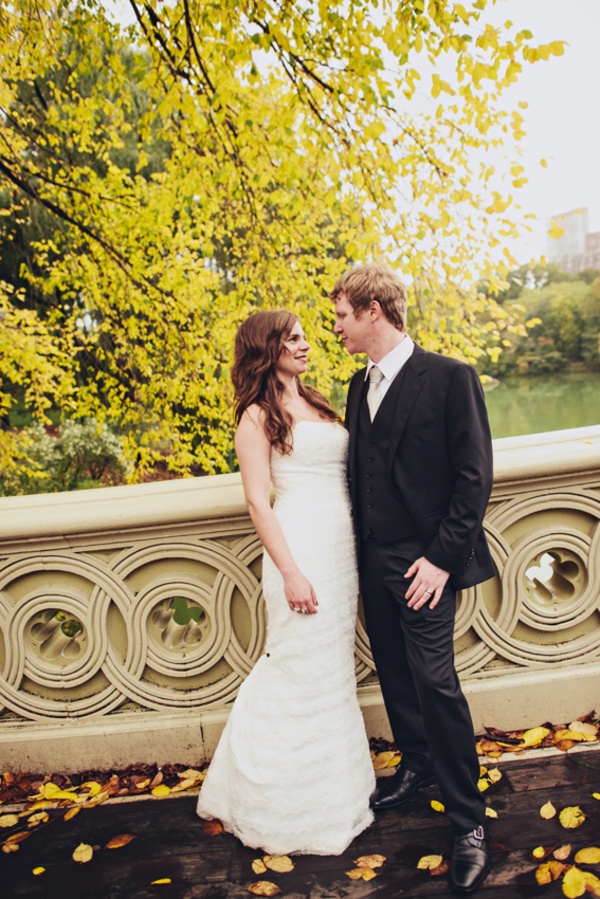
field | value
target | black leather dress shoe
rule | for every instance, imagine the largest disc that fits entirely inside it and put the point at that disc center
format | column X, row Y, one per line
column 396, row 789
column 470, row 861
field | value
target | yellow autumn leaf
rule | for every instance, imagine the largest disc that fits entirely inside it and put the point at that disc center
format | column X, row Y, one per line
column 584, row 727
column 571, row 817
column 71, row 812
column 52, row 791
column 427, row 862
column 161, row 790
column 264, row 888
column 437, row 806
column 8, row 820
column 547, row 811
column 595, row 795
column 370, row 861
column 589, row 855
column 143, row 784
column 491, row 812
column 483, row 784
column 92, row 787
column 361, row 874
column 83, row 853
column 281, row 864
column 575, row 735
column 38, row 871
column 38, row 818
column 161, row 880
column 120, row 840
column 538, row 852
column 258, row 866
column 592, row 883
column 534, row 736
column 17, row 837
column 10, row 847
column 573, row 884
column 494, row 775
column 548, row 871
column 382, row 759
column 563, row 852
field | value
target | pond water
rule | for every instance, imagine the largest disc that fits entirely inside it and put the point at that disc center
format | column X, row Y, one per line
column 530, row 405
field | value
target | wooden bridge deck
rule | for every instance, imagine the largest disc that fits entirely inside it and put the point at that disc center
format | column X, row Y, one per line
column 170, row 844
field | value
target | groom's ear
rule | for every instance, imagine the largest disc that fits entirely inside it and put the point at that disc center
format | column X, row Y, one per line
column 374, row 310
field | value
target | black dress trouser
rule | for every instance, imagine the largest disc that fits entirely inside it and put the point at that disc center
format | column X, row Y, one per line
column 414, row 655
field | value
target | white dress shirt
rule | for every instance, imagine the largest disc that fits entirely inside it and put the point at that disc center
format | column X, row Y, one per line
column 391, row 364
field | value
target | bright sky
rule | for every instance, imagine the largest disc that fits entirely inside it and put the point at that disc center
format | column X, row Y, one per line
column 562, row 121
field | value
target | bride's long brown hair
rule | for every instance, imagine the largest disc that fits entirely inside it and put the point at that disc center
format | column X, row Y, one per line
column 258, row 345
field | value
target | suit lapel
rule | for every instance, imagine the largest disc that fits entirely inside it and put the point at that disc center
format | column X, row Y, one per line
column 411, row 385
column 355, row 394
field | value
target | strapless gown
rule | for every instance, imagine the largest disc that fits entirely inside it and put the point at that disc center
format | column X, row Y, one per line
column 292, row 772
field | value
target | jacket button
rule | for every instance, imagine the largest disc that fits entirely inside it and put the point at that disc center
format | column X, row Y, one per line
column 369, row 505
column 369, row 458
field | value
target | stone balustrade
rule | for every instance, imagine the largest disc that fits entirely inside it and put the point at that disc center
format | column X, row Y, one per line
column 129, row 616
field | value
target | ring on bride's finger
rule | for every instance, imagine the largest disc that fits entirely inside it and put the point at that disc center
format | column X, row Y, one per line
column 430, row 592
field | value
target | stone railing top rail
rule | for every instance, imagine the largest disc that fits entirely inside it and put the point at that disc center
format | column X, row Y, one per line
column 221, row 496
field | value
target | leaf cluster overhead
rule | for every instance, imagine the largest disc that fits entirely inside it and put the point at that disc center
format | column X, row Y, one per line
column 158, row 181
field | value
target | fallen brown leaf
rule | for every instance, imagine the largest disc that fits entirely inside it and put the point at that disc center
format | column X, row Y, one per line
column 212, row 828
column 120, row 840
column 441, row 869
column 370, row 861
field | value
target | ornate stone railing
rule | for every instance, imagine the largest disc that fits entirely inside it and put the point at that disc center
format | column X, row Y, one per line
column 130, row 616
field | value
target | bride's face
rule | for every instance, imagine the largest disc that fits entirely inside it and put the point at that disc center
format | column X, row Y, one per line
column 293, row 357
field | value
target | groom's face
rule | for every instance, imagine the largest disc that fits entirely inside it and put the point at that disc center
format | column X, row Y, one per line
column 353, row 327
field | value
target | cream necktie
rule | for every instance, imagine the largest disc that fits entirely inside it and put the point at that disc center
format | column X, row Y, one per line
column 374, row 395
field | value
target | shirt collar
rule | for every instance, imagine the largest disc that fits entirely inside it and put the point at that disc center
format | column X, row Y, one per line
column 391, row 364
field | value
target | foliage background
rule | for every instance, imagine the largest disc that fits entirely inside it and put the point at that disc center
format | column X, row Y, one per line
column 160, row 181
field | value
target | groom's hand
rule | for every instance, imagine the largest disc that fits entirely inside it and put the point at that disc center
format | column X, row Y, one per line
column 428, row 584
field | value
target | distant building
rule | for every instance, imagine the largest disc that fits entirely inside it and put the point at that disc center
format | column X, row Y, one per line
column 576, row 249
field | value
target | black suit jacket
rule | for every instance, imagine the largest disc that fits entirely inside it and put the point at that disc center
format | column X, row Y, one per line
column 440, row 460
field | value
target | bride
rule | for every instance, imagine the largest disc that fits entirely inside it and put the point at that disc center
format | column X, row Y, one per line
column 292, row 772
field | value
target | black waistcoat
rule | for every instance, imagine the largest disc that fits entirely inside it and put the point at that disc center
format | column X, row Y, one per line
column 381, row 511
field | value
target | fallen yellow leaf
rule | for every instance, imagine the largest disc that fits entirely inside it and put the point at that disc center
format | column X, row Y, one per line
column 563, row 852
column 483, row 784
column 161, row 880
column 547, row 811
column 589, row 855
column 8, row 820
column 437, row 806
column 52, row 791
column 565, row 745
column 142, row 784
column 17, row 837
column 161, row 790
column 573, row 884
column 571, row 817
column 382, row 759
column 361, row 874
column 427, row 862
column 538, row 852
column 71, row 812
column 534, row 736
column 592, row 883
column 370, row 861
column 281, row 864
column 491, row 812
column 548, row 871
column 494, row 774
column 92, row 787
column 38, row 818
column 258, row 866
column 264, row 888
column 10, row 847
column 120, row 840
column 83, row 853
column 595, row 795
column 38, row 871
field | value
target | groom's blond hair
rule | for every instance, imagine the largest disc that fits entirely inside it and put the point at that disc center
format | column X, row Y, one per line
column 374, row 281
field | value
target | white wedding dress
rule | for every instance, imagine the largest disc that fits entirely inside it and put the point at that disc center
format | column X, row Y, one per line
column 292, row 772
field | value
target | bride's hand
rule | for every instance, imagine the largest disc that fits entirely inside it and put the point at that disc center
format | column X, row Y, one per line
column 300, row 594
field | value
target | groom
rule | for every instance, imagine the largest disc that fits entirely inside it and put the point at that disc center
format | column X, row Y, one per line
column 420, row 467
